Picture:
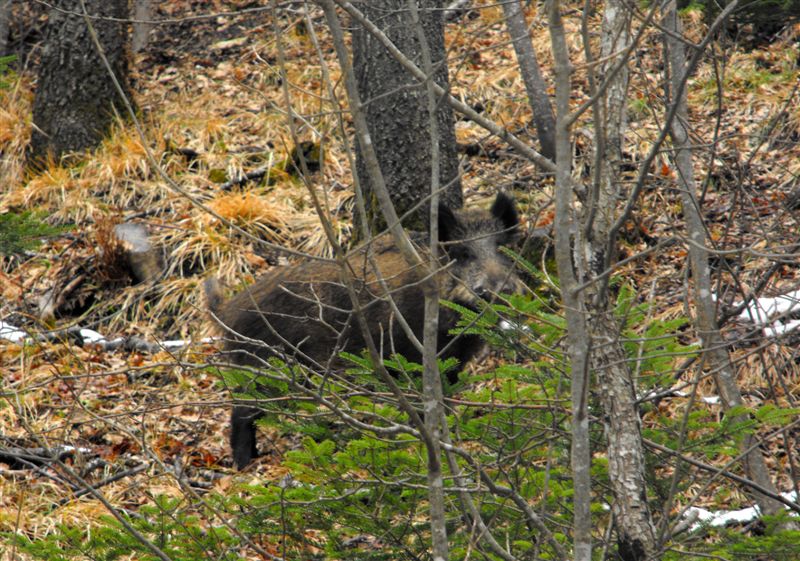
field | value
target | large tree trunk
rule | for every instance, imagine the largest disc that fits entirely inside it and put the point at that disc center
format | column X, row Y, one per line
column 396, row 109
column 75, row 96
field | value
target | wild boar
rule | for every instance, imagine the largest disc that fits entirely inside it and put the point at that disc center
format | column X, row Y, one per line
column 304, row 312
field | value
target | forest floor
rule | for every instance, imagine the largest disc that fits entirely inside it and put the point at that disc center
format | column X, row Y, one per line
column 212, row 109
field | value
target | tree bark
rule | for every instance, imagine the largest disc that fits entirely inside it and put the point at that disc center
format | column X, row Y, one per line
column 543, row 116
column 76, row 99
column 503, row 134
column 626, row 465
column 396, row 109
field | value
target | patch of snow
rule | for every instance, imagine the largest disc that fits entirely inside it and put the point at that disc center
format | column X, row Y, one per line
column 91, row 336
column 711, row 399
column 781, row 328
column 178, row 343
column 506, row 325
column 719, row 518
column 11, row 333
column 760, row 310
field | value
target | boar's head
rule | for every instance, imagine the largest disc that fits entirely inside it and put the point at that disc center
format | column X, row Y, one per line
column 471, row 241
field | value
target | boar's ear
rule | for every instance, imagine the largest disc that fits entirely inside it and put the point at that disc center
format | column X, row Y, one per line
column 449, row 225
column 214, row 297
column 505, row 210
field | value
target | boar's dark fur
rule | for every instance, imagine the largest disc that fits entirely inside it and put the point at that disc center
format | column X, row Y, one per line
column 305, row 312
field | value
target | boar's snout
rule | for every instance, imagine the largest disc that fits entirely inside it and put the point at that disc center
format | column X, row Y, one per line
column 492, row 283
column 483, row 279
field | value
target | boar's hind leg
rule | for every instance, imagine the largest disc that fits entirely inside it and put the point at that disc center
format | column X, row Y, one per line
column 243, row 434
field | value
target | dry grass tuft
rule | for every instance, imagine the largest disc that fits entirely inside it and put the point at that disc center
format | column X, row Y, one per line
column 49, row 188
column 122, row 154
column 248, row 209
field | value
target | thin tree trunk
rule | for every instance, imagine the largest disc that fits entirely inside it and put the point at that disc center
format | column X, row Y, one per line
column 538, row 100
column 617, row 395
column 632, row 517
column 577, row 335
column 584, row 245
column 714, row 347
column 433, row 396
